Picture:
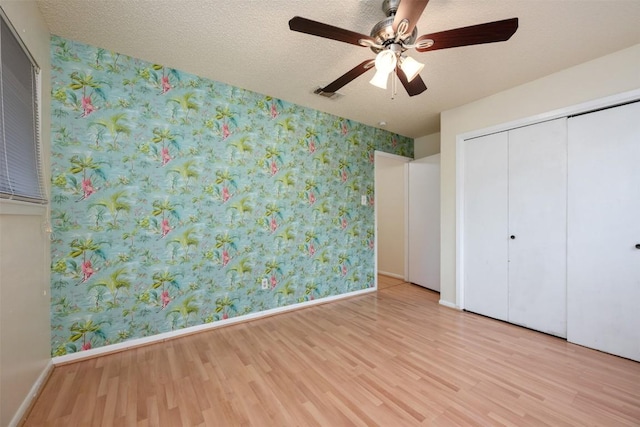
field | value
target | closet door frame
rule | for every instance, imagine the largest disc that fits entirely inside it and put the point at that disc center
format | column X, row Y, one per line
column 584, row 107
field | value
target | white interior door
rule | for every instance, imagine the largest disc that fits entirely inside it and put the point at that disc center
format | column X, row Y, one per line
column 604, row 231
column 485, row 226
column 424, row 222
column 538, row 226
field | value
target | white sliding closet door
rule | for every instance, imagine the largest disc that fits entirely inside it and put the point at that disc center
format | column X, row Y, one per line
column 604, row 231
column 538, row 226
column 515, row 219
column 485, row 225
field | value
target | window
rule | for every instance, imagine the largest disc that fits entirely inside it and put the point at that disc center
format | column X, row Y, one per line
column 20, row 162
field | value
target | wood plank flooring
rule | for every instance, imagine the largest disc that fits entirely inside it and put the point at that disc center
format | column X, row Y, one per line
column 391, row 358
column 385, row 282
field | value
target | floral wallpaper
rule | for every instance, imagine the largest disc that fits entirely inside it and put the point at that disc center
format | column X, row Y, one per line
column 175, row 196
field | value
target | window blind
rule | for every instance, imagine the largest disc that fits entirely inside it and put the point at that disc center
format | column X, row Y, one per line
column 20, row 161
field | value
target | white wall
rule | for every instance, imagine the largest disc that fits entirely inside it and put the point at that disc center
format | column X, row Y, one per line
column 426, row 145
column 24, row 253
column 615, row 73
column 391, row 213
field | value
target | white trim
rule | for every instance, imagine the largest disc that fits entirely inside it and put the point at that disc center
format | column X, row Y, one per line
column 596, row 104
column 17, row 207
column 449, row 305
column 375, row 222
column 18, row 38
column 405, row 275
column 394, row 275
column 375, row 214
column 18, row 417
column 406, row 221
column 391, row 156
column 459, row 222
column 107, row 349
column 584, row 107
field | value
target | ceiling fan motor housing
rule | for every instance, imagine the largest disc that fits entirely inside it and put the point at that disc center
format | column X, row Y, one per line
column 384, row 35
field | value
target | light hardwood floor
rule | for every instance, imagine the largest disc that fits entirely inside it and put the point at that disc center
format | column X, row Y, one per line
column 391, row 358
column 385, row 282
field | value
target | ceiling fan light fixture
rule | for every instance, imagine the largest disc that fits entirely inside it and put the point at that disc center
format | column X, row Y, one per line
column 380, row 79
column 385, row 63
column 411, row 67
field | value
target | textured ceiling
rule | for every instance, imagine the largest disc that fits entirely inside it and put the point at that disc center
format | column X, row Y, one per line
column 247, row 43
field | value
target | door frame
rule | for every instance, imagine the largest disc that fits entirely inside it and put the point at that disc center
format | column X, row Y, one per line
column 405, row 185
column 585, row 107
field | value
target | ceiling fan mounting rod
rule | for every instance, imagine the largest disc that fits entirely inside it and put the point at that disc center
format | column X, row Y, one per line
column 390, row 7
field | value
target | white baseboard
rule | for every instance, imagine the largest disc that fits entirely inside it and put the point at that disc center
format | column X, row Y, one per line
column 138, row 342
column 394, row 275
column 33, row 393
column 449, row 304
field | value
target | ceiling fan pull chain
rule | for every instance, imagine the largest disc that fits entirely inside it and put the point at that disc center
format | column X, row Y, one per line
column 393, row 86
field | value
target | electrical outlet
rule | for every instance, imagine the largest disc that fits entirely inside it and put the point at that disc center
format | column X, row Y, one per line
column 363, row 200
column 265, row 283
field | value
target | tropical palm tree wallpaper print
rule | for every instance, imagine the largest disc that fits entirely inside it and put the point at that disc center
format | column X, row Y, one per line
column 174, row 196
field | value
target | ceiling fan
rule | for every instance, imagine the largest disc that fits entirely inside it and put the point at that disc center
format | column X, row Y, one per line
column 393, row 36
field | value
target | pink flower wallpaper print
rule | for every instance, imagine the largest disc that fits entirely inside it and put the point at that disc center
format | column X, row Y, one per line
column 174, row 196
